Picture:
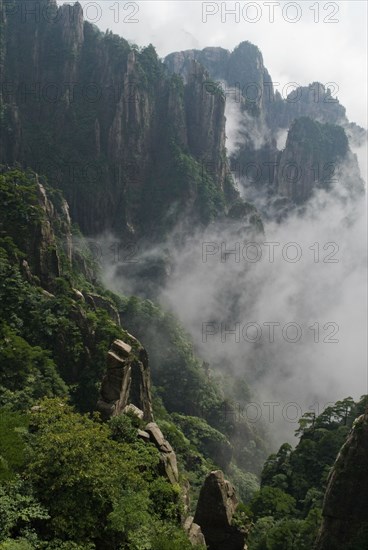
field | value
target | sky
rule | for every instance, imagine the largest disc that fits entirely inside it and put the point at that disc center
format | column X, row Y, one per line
column 301, row 42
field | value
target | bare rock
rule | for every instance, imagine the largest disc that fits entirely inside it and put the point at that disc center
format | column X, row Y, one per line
column 97, row 301
column 132, row 409
column 193, row 531
column 143, row 435
column 169, row 466
column 127, row 382
column 345, row 507
column 215, row 509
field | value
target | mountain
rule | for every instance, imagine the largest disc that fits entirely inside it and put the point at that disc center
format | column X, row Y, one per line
column 65, row 353
column 278, row 177
column 114, row 433
column 132, row 148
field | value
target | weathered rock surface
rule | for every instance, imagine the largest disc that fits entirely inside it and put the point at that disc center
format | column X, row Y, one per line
column 215, row 509
column 45, row 237
column 126, row 382
column 345, row 508
column 97, row 301
column 193, row 531
column 169, row 466
column 133, row 410
column 313, row 158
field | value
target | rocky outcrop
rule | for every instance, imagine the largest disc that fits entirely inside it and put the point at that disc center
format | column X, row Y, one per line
column 314, row 101
column 314, row 157
column 40, row 226
column 215, row 510
column 169, row 466
column 263, row 115
column 97, row 301
column 345, row 508
column 127, row 381
column 242, row 71
column 193, row 531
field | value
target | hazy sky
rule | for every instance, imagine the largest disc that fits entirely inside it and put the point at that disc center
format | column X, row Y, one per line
column 328, row 42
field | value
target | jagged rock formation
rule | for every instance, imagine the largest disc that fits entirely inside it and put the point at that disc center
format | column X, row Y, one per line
column 345, row 508
column 314, row 101
column 131, row 147
column 215, row 509
column 244, row 74
column 193, row 531
column 242, row 70
column 262, row 113
column 169, row 465
column 41, row 228
column 313, row 158
column 127, row 381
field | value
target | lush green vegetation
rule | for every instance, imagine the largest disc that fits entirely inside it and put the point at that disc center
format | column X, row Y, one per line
column 210, row 401
column 69, row 481
column 53, row 346
column 286, row 511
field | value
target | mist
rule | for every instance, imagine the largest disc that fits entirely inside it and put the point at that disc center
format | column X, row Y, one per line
column 289, row 317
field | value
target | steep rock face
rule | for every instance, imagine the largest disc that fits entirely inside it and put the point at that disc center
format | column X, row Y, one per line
column 314, row 101
column 345, row 509
column 41, row 226
column 245, row 75
column 131, row 147
column 242, row 70
column 193, row 531
column 215, row 509
column 127, row 381
column 313, row 158
column 262, row 114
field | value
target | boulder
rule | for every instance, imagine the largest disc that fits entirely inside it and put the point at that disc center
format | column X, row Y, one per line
column 193, row 531
column 143, row 435
column 215, row 509
column 169, row 466
column 132, row 409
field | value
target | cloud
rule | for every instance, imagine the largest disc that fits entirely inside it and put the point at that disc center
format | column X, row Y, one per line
column 317, row 300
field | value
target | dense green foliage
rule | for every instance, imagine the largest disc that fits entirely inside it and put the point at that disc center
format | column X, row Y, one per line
column 66, row 480
column 69, row 481
column 77, row 486
column 208, row 400
column 287, row 509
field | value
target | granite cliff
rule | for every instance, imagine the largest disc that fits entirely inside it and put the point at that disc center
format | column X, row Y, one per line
column 133, row 149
